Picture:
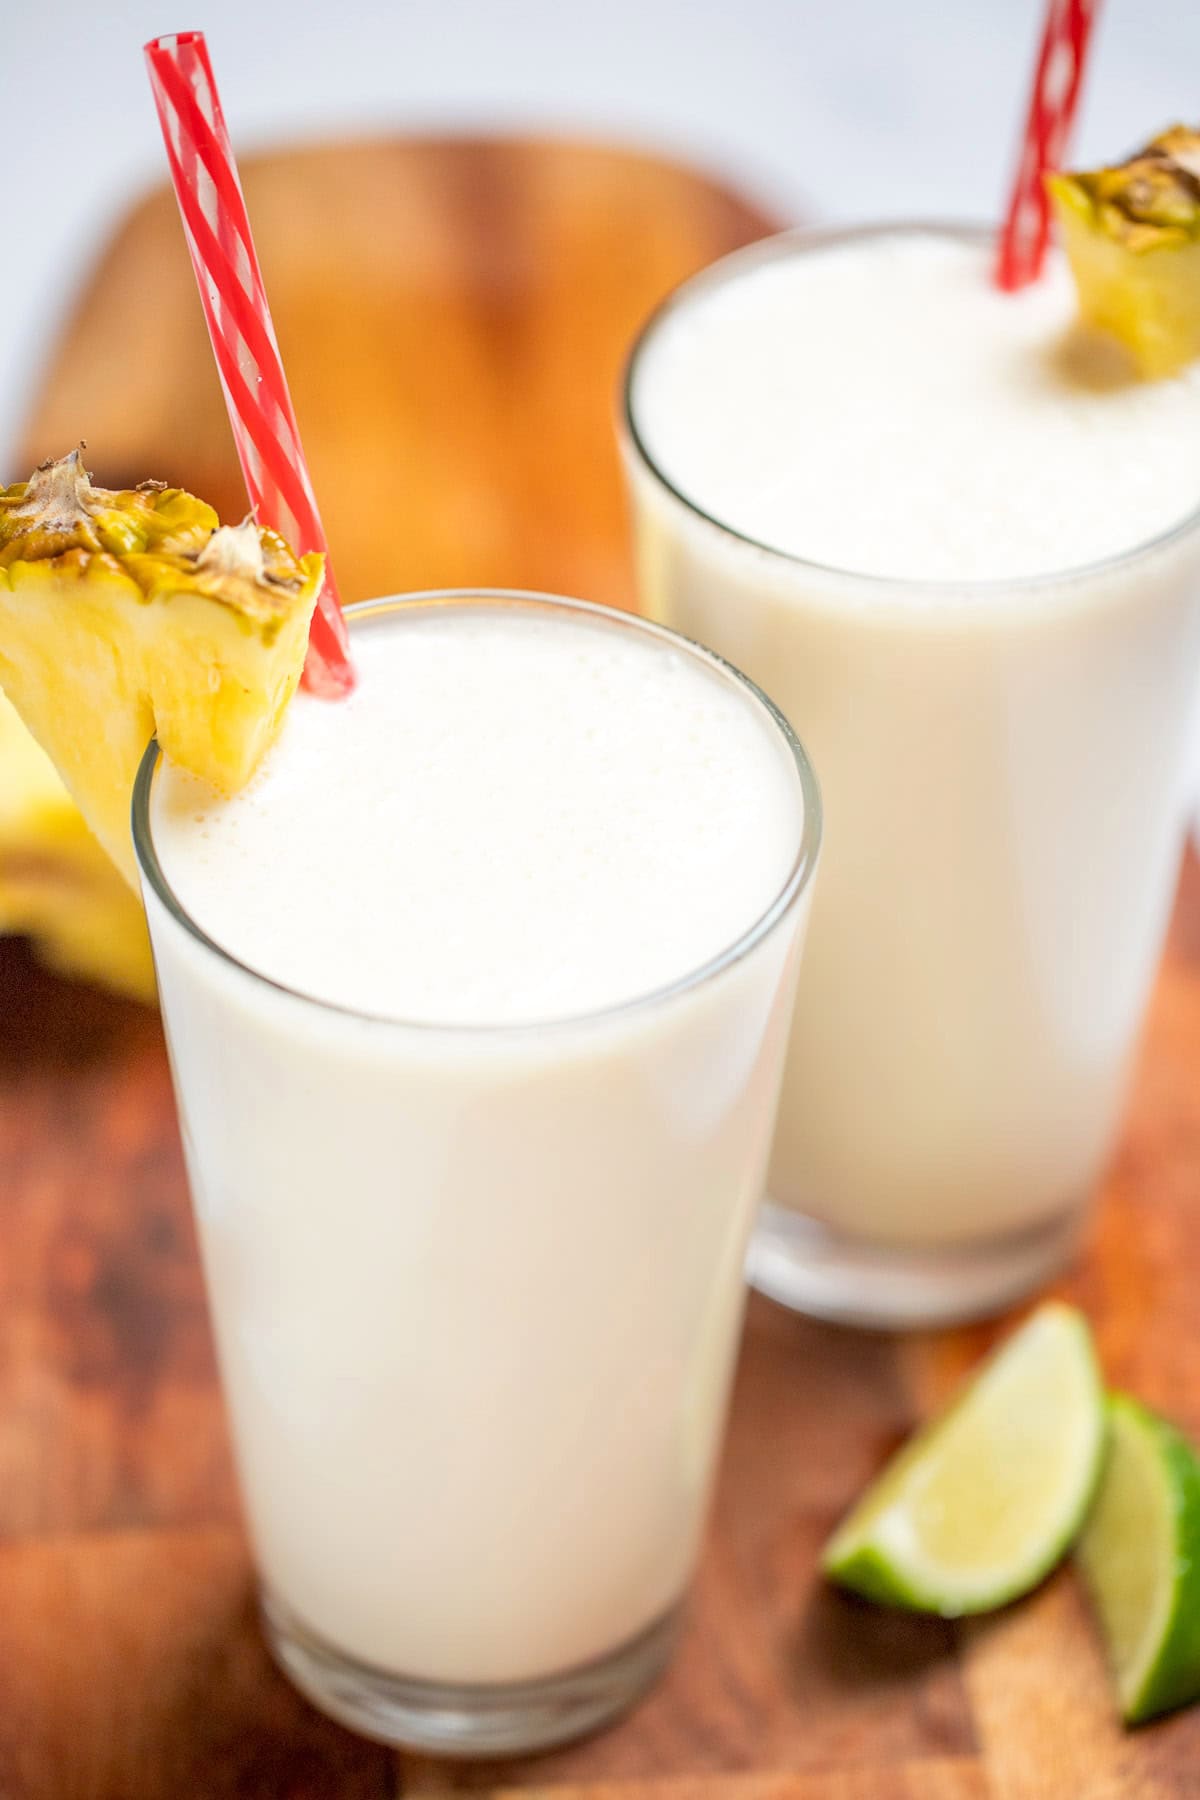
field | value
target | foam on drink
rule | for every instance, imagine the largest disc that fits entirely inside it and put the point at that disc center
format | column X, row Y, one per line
column 880, row 406
column 514, row 818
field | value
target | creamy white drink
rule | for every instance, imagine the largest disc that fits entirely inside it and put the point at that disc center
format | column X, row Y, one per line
column 957, row 542
column 474, row 1197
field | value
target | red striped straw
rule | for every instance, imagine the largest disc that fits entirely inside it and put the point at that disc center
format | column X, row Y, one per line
column 239, row 323
column 1052, row 107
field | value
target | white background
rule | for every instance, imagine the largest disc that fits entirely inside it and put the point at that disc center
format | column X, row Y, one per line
column 846, row 109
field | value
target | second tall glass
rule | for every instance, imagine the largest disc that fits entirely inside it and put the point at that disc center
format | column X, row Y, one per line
column 1004, row 765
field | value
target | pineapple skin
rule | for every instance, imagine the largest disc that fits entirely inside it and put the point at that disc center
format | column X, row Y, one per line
column 57, row 886
column 1132, row 237
column 125, row 615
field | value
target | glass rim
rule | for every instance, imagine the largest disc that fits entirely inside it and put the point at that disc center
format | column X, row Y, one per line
column 778, row 248
column 794, row 885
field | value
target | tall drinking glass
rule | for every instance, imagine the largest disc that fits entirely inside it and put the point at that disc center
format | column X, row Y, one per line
column 1004, row 760
column 477, row 1288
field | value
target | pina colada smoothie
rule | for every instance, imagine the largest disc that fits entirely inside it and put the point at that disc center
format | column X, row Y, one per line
column 951, row 536
column 474, row 1211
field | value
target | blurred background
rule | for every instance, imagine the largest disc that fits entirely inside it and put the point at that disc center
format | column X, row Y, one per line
column 845, row 111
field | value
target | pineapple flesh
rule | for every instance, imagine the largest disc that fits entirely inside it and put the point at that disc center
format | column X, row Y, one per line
column 1132, row 237
column 57, row 886
column 125, row 615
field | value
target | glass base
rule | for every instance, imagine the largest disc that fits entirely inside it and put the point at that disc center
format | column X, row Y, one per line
column 812, row 1269
column 466, row 1721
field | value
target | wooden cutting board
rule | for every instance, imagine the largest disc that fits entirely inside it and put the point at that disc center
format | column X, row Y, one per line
column 454, row 316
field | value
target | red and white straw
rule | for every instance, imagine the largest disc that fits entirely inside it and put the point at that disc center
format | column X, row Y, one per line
column 217, row 229
column 1052, row 107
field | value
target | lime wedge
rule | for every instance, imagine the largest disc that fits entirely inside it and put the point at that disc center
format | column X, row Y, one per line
column 982, row 1503
column 1140, row 1558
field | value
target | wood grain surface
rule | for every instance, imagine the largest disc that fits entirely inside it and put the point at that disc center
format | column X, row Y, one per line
column 454, row 316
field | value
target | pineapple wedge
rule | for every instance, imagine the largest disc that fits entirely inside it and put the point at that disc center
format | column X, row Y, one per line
column 1132, row 237
column 56, row 884
column 129, row 614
